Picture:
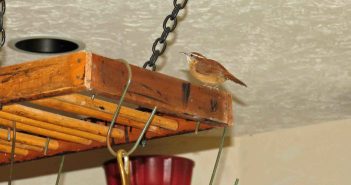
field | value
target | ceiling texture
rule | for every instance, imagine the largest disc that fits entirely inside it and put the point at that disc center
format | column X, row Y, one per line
column 295, row 55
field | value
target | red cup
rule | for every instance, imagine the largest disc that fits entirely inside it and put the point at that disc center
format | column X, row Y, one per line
column 153, row 170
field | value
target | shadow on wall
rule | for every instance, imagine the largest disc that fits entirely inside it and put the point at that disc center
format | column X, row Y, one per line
column 95, row 158
column 2, row 56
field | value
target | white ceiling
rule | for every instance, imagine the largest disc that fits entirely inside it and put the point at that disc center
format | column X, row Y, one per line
column 294, row 54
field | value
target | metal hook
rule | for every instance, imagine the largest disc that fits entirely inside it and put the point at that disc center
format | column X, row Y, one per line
column 46, row 148
column 123, row 156
column 197, row 127
column 12, row 151
column 8, row 134
column 108, row 142
column 218, row 156
column 136, row 144
column 115, row 115
column 141, row 136
column 60, row 170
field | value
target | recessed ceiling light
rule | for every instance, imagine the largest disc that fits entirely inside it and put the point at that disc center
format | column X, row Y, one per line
column 45, row 45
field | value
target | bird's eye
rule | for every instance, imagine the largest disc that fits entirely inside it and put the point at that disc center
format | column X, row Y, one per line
column 191, row 55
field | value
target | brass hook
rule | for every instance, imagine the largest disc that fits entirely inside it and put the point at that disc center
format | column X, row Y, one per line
column 123, row 166
column 12, row 151
column 122, row 154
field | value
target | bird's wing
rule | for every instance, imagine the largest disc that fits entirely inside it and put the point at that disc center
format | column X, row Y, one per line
column 212, row 68
column 209, row 67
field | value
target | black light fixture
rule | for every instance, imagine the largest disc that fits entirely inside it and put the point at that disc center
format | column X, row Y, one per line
column 46, row 45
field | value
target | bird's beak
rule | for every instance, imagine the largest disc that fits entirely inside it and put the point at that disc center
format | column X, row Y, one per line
column 187, row 54
column 188, row 57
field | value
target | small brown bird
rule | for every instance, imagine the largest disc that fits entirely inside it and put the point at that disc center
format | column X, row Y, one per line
column 209, row 71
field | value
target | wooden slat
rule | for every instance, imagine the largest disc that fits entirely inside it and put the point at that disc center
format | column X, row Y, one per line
column 30, row 139
column 171, row 95
column 185, row 126
column 110, row 108
column 23, row 146
column 18, row 151
column 52, row 127
column 45, row 132
column 61, row 120
column 68, row 107
column 43, row 78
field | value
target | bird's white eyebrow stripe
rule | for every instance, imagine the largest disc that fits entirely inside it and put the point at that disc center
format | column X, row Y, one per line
column 200, row 56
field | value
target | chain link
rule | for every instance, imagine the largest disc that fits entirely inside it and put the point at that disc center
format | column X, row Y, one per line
column 2, row 30
column 160, row 44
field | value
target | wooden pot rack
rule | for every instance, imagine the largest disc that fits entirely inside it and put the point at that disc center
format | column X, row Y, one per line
column 71, row 99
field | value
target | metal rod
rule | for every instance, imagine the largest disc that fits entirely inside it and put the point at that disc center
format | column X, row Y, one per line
column 60, row 170
column 8, row 134
column 218, row 156
column 115, row 115
column 197, row 127
column 46, row 148
column 12, row 151
column 136, row 144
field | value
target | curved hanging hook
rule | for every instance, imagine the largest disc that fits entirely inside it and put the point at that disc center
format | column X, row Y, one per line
column 115, row 115
column 118, row 109
column 123, row 167
column 147, row 124
column 123, row 156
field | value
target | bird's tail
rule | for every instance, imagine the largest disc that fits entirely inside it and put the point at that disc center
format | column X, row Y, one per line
column 234, row 79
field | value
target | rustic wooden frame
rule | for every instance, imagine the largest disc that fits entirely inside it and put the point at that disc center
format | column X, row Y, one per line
column 54, row 83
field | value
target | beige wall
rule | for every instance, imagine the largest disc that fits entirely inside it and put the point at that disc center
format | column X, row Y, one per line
column 312, row 155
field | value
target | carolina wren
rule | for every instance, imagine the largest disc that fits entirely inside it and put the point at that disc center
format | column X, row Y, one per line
column 209, row 71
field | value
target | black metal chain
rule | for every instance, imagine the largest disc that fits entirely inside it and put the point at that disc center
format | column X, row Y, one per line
column 169, row 25
column 2, row 29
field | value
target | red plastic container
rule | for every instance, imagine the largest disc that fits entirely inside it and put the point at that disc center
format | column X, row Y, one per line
column 153, row 170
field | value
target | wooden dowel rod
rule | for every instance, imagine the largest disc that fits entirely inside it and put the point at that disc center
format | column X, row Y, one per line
column 23, row 146
column 18, row 151
column 61, row 120
column 69, row 107
column 52, row 127
column 110, row 108
column 30, row 140
column 45, row 132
